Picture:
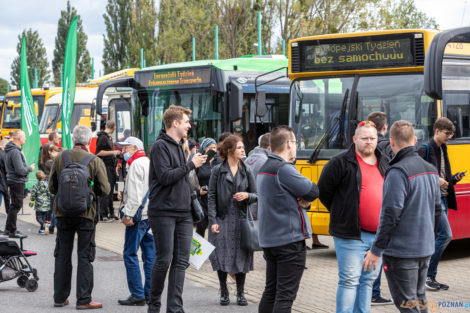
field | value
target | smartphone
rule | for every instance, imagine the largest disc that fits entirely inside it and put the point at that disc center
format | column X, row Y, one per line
column 463, row 173
column 210, row 154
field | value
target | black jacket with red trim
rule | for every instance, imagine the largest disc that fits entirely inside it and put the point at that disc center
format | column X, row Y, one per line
column 280, row 219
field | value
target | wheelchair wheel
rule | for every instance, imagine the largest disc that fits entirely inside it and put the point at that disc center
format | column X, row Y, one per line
column 21, row 281
column 31, row 285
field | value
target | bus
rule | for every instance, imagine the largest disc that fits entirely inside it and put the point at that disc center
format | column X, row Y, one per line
column 248, row 95
column 338, row 79
column 11, row 114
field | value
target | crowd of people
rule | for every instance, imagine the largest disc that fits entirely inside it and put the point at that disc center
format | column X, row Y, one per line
column 388, row 201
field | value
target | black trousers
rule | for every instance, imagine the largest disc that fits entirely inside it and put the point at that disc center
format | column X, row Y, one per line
column 67, row 227
column 406, row 281
column 6, row 200
column 173, row 237
column 106, row 203
column 16, row 196
column 41, row 218
column 284, row 268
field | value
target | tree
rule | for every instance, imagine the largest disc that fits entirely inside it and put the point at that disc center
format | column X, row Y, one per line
column 403, row 14
column 37, row 58
column 3, row 86
column 142, row 33
column 83, row 56
column 118, row 18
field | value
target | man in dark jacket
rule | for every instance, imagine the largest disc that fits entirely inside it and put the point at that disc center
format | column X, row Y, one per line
column 3, row 178
column 351, row 189
column 105, row 150
column 380, row 121
column 17, row 176
column 411, row 210
column 283, row 201
column 82, row 225
column 435, row 152
column 169, row 208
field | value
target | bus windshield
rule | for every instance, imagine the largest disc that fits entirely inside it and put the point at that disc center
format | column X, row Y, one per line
column 205, row 121
column 12, row 116
column 81, row 114
column 320, row 117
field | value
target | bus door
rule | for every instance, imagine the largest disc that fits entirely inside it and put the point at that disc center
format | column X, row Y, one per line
column 447, row 78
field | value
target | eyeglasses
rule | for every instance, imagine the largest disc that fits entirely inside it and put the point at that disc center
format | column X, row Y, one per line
column 364, row 123
column 295, row 141
column 449, row 133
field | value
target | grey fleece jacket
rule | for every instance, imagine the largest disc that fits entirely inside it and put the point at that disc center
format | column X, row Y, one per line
column 15, row 163
column 411, row 208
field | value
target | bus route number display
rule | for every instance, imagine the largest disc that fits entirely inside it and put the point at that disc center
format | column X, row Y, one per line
column 356, row 53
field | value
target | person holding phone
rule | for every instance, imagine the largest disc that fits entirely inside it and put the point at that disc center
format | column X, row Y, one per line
column 17, row 176
column 435, row 152
column 208, row 147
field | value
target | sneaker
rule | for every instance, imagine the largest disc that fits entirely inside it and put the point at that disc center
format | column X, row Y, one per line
column 432, row 284
column 61, row 304
column 131, row 301
column 105, row 219
column 381, row 301
column 42, row 231
column 114, row 217
column 442, row 286
column 17, row 235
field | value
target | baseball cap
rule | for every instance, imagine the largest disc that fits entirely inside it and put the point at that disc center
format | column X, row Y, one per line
column 132, row 141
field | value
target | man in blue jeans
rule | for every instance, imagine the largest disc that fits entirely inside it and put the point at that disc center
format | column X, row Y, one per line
column 137, row 235
column 351, row 189
column 435, row 152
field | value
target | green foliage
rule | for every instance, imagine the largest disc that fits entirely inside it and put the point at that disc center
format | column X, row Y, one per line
column 142, row 33
column 37, row 57
column 83, row 56
column 118, row 18
column 403, row 14
column 3, row 86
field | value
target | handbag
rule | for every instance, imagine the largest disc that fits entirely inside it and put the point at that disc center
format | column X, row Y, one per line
column 138, row 214
column 196, row 208
column 249, row 232
column 193, row 180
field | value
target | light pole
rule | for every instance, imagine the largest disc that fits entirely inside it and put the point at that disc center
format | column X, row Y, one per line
column 35, row 80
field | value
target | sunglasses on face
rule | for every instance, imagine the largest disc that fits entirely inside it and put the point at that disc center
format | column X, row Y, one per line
column 364, row 123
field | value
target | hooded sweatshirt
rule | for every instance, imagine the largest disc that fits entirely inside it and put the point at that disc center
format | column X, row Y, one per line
column 15, row 163
column 170, row 192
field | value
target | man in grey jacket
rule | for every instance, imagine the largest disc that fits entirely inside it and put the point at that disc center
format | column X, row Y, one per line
column 284, row 197
column 411, row 209
column 17, row 176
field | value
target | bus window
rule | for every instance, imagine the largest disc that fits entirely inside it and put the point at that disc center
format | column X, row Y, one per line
column 12, row 114
column 204, row 120
column 47, row 121
column 401, row 97
column 80, row 116
column 317, row 106
column 456, row 94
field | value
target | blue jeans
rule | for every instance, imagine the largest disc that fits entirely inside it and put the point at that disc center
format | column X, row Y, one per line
column 138, row 236
column 376, row 287
column 443, row 238
column 354, row 285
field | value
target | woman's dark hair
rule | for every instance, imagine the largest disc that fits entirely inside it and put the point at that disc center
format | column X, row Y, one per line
column 46, row 152
column 228, row 146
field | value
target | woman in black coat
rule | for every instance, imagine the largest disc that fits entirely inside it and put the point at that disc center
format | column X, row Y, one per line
column 231, row 189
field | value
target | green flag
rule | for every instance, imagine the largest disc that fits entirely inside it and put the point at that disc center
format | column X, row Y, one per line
column 68, row 83
column 29, row 120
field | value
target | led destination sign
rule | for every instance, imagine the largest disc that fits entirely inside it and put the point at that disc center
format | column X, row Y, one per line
column 357, row 53
column 187, row 77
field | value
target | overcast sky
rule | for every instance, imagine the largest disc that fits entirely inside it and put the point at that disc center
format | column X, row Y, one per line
column 44, row 15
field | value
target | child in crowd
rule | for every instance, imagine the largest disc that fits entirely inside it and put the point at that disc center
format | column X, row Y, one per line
column 40, row 199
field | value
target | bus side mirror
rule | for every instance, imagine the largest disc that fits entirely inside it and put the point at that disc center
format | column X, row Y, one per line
column 455, row 115
column 261, row 108
column 235, row 101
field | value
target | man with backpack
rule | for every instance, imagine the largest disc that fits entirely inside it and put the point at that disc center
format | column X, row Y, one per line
column 77, row 178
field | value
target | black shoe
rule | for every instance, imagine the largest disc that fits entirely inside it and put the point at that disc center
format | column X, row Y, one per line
column 132, row 301
column 432, row 284
column 224, row 297
column 241, row 300
column 114, row 217
column 442, row 286
column 62, row 304
column 381, row 301
column 4, row 232
column 51, row 229
column 17, row 235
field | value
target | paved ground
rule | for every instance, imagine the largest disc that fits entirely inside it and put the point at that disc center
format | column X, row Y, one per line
column 317, row 291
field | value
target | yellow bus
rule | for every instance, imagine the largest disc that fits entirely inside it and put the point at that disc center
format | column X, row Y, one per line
column 338, row 79
column 11, row 114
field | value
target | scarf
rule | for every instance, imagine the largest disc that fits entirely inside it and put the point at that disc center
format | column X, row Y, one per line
column 135, row 156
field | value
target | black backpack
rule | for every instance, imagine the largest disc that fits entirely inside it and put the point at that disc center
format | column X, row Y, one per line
column 74, row 195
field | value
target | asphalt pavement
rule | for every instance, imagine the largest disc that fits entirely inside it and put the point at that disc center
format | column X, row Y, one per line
column 109, row 279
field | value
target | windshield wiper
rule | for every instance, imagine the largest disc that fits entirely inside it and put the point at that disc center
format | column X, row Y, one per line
column 330, row 128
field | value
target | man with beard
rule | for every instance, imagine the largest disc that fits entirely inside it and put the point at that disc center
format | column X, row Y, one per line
column 351, row 189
